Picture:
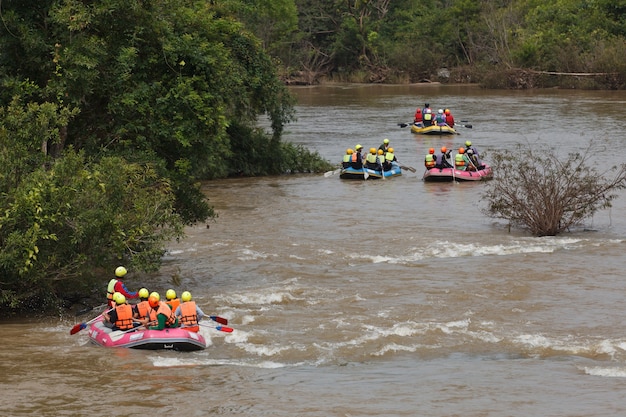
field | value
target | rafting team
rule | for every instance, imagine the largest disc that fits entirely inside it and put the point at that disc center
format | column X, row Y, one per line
column 376, row 159
column 467, row 159
column 150, row 312
column 425, row 117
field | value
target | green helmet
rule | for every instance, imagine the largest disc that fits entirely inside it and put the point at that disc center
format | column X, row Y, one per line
column 468, row 143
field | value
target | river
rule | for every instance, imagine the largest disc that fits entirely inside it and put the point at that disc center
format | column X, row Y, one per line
column 372, row 298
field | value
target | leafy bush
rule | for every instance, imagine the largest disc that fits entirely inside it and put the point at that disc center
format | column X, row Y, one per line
column 63, row 224
column 536, row 190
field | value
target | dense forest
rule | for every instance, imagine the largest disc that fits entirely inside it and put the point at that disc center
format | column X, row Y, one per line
column 499, row 44
column 113, row 111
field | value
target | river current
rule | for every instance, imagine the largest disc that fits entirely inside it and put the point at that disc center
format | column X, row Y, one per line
column 371, row 298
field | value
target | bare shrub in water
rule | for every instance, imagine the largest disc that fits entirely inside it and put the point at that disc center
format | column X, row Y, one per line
column 536, row 190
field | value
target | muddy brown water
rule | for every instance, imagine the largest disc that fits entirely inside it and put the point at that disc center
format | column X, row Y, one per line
column 376, row 298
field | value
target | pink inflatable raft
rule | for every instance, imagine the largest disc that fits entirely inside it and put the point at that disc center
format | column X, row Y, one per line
column 449, row 174
column 169, row 339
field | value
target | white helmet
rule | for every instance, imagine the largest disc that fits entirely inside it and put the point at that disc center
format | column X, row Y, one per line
column 440, row 111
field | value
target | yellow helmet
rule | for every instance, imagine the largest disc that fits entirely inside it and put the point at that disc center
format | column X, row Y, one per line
column 386, row 141
column 373, row 151
column 120, row 271
column 186, row 296
column 380, row 152
column 143, row 293
column 391, row 150
column 468, row 143
column 120, row 299
column 155, row 294
column 349, row 151
column 357, row 147
column 116, row 296
column 170, row 294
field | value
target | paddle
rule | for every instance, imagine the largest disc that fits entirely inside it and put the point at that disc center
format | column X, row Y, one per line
column 405, row 124
column 331, row 173
column 80, row 326
column 407, row 168
column 220, row 320
column 467, row 126
column 220, row 328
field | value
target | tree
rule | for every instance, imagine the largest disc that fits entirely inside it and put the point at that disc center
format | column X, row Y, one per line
column 536, row 190
column 157, row 81
column 64, row 224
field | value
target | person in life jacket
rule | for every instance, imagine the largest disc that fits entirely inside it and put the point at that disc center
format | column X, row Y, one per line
column 449, row 118
column 470, row 160
column 427, row 115
column 380, row 159
column 385, row 145
column 188, row 313
column 346, row 163
column 116, row 285
column 440, row 118
column 441, row 160
column 389, row 158
column 473, row 156
column 172, row 300
column 142, row 308
column 418, row 118
column 370, row 159
column 460, row 162
column 121, row 317
column 163, row 313
column 357, row 158
column 429, row 160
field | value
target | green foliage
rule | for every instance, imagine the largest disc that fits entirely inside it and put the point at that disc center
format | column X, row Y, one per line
column 264, row 156
column 62, row 224
column 384, row 41
column 534, row 189
column 158, row 81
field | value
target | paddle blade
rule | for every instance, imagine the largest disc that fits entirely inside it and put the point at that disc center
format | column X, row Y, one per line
column 220, row 320
column 77, row 328
column 224, row 329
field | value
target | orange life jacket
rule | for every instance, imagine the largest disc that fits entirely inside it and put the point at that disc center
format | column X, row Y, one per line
column 173, row 303
column 143, row 309
column 167, row 312
column 124, row 317
column 189, row 316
